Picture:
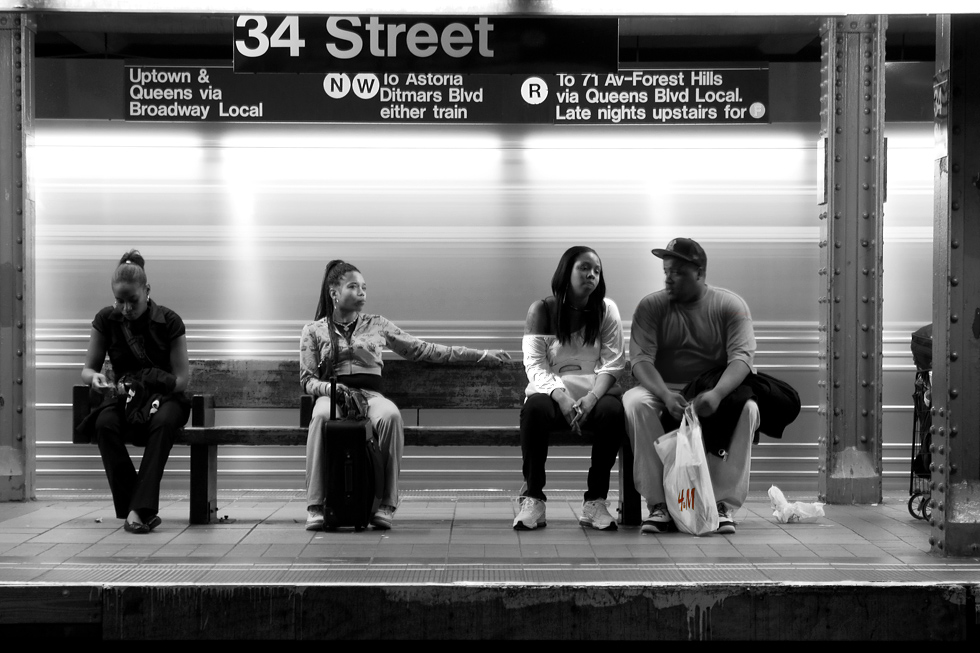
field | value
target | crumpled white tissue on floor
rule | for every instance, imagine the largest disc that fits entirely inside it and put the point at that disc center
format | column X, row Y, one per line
column 793, row 513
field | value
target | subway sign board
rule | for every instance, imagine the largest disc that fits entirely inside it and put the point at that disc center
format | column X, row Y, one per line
column 443, row 44
column 669, row 96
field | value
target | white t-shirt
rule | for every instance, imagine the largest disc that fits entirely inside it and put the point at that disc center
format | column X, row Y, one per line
column 575, row 365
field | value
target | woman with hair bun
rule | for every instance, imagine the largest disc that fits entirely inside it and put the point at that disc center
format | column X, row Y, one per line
column 346, row 343
column 144, row 401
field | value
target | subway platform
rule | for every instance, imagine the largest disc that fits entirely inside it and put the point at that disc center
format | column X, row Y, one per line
column 453, row 568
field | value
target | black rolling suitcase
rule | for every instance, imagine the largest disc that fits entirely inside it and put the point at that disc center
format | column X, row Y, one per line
column 354, row 470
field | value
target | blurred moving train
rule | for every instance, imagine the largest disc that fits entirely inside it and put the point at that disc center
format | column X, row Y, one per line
column 457, row 230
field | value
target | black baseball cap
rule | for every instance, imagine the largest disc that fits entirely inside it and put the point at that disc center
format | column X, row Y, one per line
column 684, row 249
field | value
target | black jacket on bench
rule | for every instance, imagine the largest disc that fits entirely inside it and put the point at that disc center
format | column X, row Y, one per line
column 779, row 406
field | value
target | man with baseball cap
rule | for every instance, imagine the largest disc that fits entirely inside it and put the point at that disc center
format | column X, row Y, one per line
column 691, row 332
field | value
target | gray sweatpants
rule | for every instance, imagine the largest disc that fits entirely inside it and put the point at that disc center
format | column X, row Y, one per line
column 729, row 476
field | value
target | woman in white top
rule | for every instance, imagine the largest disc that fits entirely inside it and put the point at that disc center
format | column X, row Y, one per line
column 573, row 354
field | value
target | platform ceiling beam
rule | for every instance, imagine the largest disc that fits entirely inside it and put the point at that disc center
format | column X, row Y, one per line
column 16, row 260
column 851, row 195
column 955, row 479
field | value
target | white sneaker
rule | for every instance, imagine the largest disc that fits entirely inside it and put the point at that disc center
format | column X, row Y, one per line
column 595, row 514
column 382, row 519
column 659, row 520
column 726, row 520
column 531, row 515
column 314, row 518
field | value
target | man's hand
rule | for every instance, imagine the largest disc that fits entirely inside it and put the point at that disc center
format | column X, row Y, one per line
column 675, row 403
column 706, row 403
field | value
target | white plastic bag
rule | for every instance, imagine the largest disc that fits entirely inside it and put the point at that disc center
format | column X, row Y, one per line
column 687, row 484
column 793, row 513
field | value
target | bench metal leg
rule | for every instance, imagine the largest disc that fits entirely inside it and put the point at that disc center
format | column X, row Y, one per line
column 629, row 498
column 204, row 483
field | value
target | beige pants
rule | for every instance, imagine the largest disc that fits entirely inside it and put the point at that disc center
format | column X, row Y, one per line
column 729, row 476
column 389, row 431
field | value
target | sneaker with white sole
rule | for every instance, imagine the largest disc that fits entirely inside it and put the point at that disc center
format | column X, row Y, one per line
column 726, row 519
column 531, row 515
column 659, row 520
column 314, row 518
column 382, row 519
column 595, row 514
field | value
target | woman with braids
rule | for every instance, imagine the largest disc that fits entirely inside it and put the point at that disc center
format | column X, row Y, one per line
column 346, row 343
column 573, row 354
column 144, row 399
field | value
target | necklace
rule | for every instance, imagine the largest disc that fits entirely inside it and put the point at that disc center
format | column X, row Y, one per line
column 576, row 309
column 347, row 328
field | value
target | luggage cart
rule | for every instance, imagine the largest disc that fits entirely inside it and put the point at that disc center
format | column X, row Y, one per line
column 919, row 493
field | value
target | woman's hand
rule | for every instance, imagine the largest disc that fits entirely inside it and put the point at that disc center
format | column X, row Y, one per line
column 584, row 407
column 101, row 384
column 494, row 357
column 567, row 407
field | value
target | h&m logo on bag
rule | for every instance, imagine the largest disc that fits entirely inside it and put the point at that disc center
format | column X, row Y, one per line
column 685, row 499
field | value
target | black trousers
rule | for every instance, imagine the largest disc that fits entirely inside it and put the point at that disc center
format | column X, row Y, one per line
column 606, row 425
column 132, row 490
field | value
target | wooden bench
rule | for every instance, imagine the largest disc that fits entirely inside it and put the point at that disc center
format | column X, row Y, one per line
column 275, row 384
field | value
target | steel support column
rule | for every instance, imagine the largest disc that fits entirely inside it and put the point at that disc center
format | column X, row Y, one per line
column 955, row 482
column 16, row 260
column 852, row 139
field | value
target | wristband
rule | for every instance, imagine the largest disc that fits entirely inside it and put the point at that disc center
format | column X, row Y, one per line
column 593, row 394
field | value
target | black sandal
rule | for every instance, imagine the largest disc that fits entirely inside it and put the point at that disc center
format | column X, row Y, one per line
column 138, row 528
column 153, row 522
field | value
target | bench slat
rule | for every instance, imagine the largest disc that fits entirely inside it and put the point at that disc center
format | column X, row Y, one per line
column 416, row 436
column 411, row 385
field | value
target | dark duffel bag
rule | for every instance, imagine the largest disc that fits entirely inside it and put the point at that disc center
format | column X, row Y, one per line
column 922, row 348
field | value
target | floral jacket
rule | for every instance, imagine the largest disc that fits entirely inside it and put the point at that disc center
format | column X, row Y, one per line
column 362, row 353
